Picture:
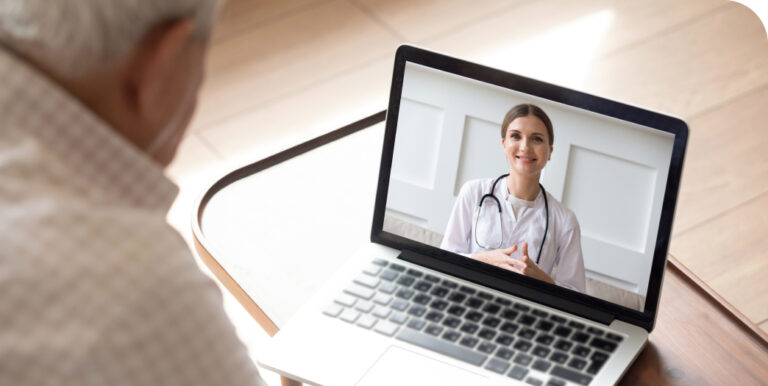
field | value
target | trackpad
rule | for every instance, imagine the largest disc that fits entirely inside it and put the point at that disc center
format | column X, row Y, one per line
column 399, row 366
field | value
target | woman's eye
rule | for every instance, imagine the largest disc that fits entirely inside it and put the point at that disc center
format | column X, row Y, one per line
column 514, row 136
column 538, row 139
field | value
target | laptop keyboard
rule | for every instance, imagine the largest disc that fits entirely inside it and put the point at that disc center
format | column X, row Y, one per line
column 473, row 326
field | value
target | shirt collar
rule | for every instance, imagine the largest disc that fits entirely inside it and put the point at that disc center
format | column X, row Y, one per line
column 114, row 168
column 503, row 192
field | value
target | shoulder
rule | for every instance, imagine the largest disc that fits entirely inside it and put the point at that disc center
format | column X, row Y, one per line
column 477, row 186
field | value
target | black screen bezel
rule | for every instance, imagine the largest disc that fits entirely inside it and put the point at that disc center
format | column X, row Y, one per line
column 460, row 266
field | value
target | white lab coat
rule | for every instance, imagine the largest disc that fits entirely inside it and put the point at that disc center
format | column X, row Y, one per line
column 561, row 257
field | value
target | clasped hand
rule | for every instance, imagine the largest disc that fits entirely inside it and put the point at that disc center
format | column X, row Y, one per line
column 502, row 259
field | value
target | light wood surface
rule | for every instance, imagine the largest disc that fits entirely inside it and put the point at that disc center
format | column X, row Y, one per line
column 281, row 72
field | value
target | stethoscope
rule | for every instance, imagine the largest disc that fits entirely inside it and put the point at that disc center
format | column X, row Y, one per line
column 501, row 223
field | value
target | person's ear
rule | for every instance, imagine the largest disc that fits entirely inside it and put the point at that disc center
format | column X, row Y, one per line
column 153, row 60
column 551, row 149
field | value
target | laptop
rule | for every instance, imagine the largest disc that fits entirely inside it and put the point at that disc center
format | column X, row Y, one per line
column 420, row 304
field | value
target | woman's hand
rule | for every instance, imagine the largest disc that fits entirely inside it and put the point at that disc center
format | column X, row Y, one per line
column 527, row 267
column 498, row 257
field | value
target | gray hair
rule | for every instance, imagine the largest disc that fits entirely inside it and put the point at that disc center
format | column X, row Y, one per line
column 72, row 37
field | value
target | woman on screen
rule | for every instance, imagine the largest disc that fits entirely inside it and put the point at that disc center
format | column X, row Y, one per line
column 510, row 221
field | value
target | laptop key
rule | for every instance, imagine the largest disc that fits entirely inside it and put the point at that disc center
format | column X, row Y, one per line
column 503, row 302
column 451, row 322
column 456, row 310
column 491, row 308
column 557, row 319
column 388, row 275
column 449, row 284
column 523, row 359
column 366, row 321
column 469, row 328
column 359, row 291
column 562, row 331
column 484, row 295
column 364, row 306
column 563, row 345
column 559, row 357
column 457, row 297
column 487, row 347
column 581, row 351
column 474, row 316
column 422, row 286
column 439, row 292
column 577, row 363
column 381, row 312
column 526, row 333
column 570, row 375
column 382, row 299
column 416, row 324
column 399, row 304
column 509, row 314
column 595, row 331
column 333, row 310
column 415, row 273
column 580, row 337
column 433, row 329
column 467, row 290
column 544, row 325
column 491, row 321
column 405, row 293
column 417, row 310
column 487, row 334
column 434, row 316
column 406, row 281
column 346, row 300
column 603, row 344
column 555, row 382
column 474, row 302
column 386, row 328
column 438, row 304
column 521, row 307
column 373, row 270
column 540, row 351
column 367, row 281
column 505, row 353
column 469, row 341
column 540, row 313
column 398, row 318
column 432, row 278
column 422, row 299
column 505, row 340
column 526, row 320
column 349, row 315
column 497, row 366
column 523, row 345
column 509, row 327
column 380, row 262
column 397, row 267
column 387, row 288
column 598, row 360
column 613, row 337
column 534, row 381
column 545, row 339
column 541, row 365
column 442, row 347
column 451, row 335
column 576, row 325
column 518, row 372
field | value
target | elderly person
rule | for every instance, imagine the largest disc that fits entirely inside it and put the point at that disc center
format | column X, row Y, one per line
column 510, row 221
column 97, row 289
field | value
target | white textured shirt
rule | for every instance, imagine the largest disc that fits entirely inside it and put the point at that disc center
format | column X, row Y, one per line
column 561, row 258
column 95, row 287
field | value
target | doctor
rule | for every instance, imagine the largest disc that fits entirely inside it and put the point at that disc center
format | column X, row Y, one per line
column 510, row 221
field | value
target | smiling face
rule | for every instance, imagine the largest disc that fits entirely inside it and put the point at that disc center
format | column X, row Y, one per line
column 526, row 145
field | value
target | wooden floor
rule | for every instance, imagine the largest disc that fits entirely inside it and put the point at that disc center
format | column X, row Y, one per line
column 281, row 72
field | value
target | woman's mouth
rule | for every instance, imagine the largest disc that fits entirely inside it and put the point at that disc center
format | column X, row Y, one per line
column 526, row 160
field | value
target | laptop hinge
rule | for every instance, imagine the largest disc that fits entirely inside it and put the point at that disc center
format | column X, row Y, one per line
column 506, row 286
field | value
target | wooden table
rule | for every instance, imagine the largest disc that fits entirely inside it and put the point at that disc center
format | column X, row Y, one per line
column 282, row 225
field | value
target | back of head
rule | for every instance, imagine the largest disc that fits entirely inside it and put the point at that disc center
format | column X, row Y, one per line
column 69, row 38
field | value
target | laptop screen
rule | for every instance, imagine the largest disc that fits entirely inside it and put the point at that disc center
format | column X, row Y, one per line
column 531, row 185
